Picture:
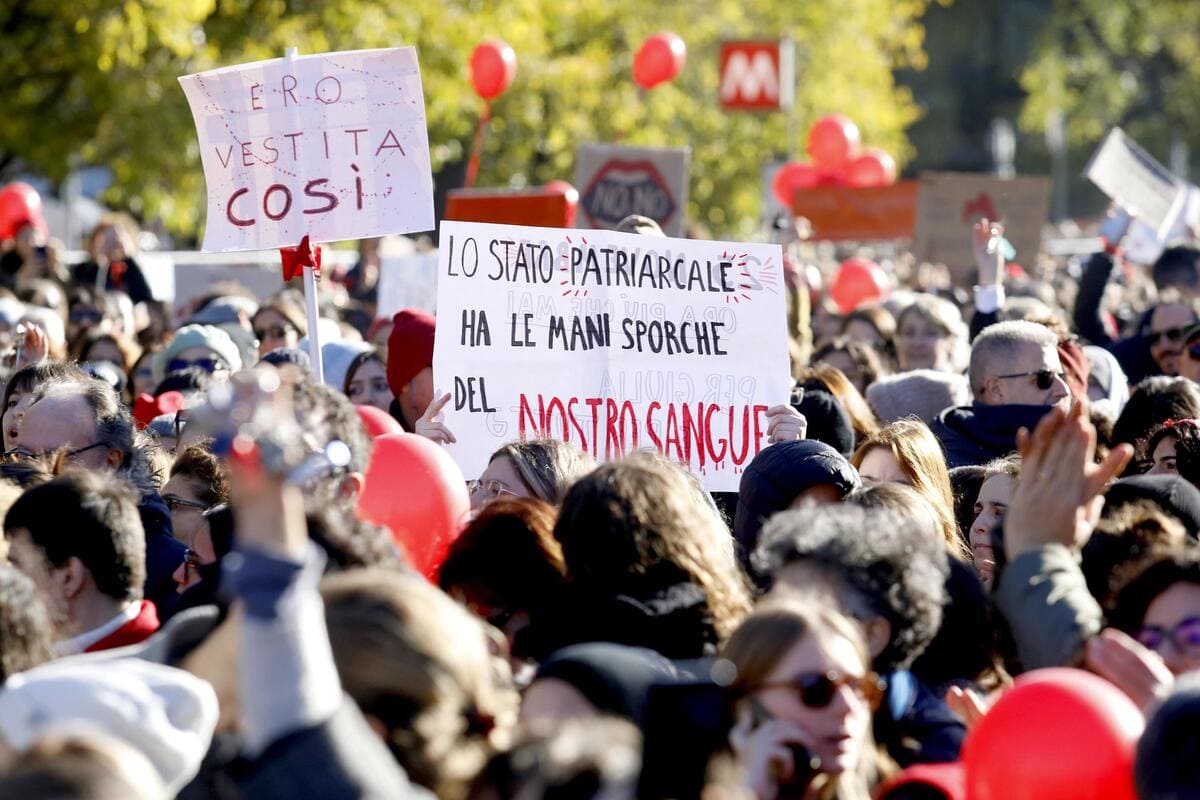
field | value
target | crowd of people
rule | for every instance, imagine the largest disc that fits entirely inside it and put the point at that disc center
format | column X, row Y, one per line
column 964, row 566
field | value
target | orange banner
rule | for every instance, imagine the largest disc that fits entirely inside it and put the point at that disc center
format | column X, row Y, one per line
column 843, row 213
column 540, row 209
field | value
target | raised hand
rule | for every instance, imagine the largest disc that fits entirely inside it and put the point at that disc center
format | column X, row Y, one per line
column 430, row 426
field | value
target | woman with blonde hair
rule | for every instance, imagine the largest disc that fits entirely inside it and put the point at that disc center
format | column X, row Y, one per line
column 540, row 468
column 931, row 334
column 803, row 694
column 906, row 452
column 647, row 565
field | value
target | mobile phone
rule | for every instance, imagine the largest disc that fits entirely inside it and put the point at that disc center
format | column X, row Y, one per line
column 805, row 765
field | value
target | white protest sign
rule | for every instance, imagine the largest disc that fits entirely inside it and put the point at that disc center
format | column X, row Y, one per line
column 1139, row 184
column 333, row 146
column 407, row 282
column 612, row 342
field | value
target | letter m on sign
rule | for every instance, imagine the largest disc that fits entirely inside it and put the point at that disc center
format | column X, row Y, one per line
column 757, row 76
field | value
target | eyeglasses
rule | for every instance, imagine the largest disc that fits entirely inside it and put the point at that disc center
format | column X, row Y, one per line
column 817, row 689
column 175, row 503
column 1172, row 334
column 85, row 315
column 21, row 454
column 489, row 489
column 1193, row 351
column 274, row 332
column 1042, row 378
column 207, row 364
column 1184, row 637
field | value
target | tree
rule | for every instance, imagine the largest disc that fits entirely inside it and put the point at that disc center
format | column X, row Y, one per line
column 1134, row 63
column 95, row 81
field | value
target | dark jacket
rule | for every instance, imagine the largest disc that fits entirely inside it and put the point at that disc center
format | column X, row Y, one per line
column 977, row 433
column 124, row 276
column 915, row 725
column 1091, row 322
column 673, row 620
column 164, row 554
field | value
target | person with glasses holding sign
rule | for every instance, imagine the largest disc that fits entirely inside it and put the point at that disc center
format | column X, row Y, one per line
column 1016, row 376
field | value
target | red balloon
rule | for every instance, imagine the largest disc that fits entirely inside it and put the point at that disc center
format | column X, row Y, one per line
column 790, row 177
column 873, row 168
column 415, row 489
column 377, row 421
column 571, row 193
column 493, row 67
column 660, row 58
column 1060, row 733
column 858, row 280
column 833, row 141
column 20, row 205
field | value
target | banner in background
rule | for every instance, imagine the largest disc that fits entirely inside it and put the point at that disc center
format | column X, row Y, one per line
column 333, row 146
column 845, row 213
column 949, row 203
column 615, row 181
column 612, row 342
column 503, row 207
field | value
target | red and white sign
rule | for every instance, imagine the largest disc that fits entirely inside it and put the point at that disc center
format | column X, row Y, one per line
column 757, row 76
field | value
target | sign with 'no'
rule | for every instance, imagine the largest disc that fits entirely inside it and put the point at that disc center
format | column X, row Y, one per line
column 616, row 181
column 331, row 146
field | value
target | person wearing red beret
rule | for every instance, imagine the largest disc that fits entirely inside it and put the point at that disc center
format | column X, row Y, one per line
column 410, row 365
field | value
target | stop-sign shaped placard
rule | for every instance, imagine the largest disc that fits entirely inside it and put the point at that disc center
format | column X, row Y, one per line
column 757, row 76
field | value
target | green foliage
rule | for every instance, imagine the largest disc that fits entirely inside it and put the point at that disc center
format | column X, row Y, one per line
column 96, row 81
column 1133, row 63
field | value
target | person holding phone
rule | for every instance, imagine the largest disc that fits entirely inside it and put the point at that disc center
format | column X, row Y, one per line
column 803, row 694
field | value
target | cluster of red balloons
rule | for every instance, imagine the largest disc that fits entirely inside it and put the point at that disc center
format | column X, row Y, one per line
column 660, row 58
column 493, row 67
column 413, row 488
column 838, row 159
column 858, row 281
column 20, row 205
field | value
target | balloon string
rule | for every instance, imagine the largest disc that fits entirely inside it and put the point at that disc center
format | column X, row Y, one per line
column 477, row 144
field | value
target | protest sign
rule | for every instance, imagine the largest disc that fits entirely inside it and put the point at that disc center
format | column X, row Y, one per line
column 407, row 282
column 846, row 213
column 1139, row 184
column 536, row 208
column 612, row 342
column 949, row 203
column 615, row 182
column 333, row 146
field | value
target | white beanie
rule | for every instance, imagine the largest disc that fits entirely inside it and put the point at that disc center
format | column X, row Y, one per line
column 336, row 358
column 209, row 336
column 164, row 713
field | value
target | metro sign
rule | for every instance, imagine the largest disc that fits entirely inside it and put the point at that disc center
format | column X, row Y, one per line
column 757, row 76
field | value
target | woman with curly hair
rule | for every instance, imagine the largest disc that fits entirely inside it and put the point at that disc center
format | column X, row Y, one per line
column 1174, row 449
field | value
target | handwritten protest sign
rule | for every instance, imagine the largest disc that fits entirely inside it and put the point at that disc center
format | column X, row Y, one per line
column 615, row 181
column 1139, row 184
column 847, row 213
column 613, row 342
column 332, row 145
column 949, row 203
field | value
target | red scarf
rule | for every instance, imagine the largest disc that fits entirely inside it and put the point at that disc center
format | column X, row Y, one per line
column 138, row 629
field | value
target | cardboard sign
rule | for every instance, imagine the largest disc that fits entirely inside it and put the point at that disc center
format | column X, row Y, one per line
column 615, row 182
column 333, row 146
column 407, row 282
column 949, row 203
column 840, row 213
column 612, row 342
column 540, row 209
column 757, row 76
column 1139, row 184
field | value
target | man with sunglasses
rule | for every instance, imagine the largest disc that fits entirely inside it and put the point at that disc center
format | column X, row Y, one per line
column 1189, row 357
column 1016, row 377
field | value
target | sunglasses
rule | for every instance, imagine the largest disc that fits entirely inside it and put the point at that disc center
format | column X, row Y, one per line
column 817, row 689
column 275, row 332
column 1184, row 637
column 85, row 315
column 21, row 454
column 209, row 365
column 1042, row 378
column 1172, row 334
column 1193, row 350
